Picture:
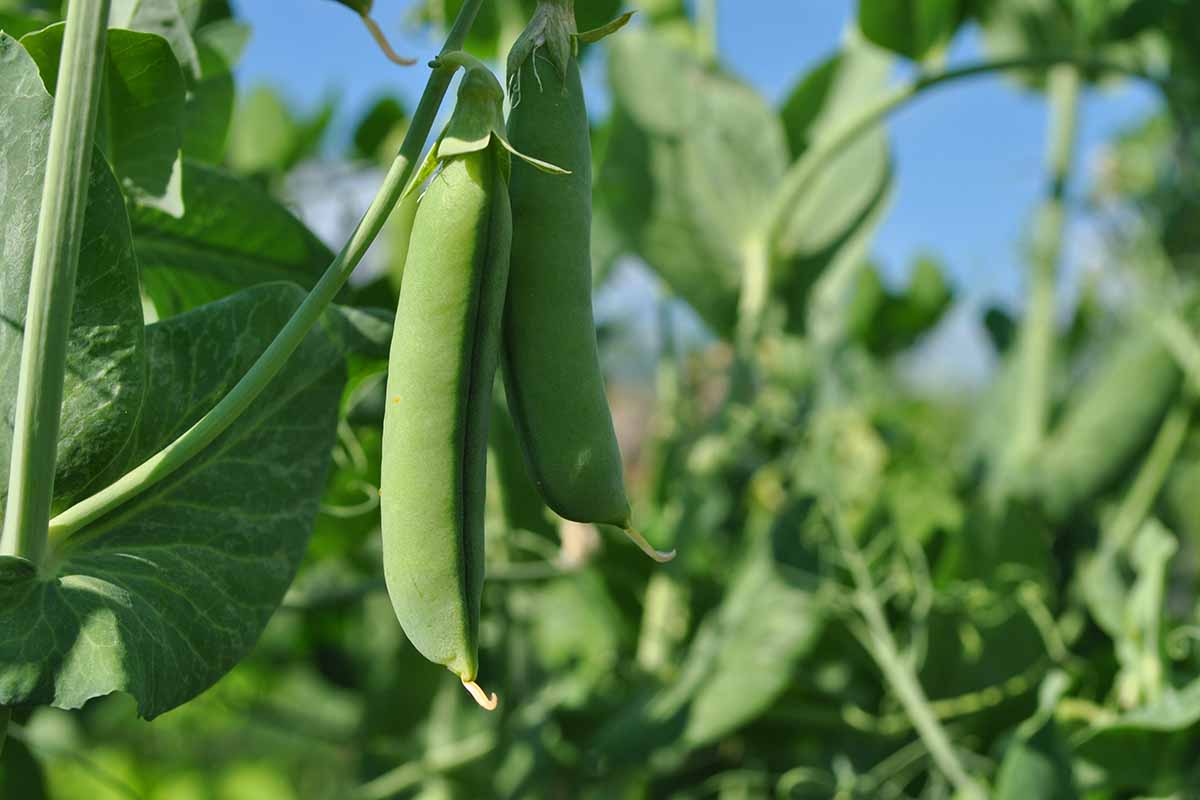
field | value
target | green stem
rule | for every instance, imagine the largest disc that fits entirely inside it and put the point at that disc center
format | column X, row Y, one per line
column 268, row 365
column 1151, row 477
column 1184, row 346
column 5, row 718
column 899, row 673
column 1038, row 329
column 52, row 283
column 706, row 23
column 437, row 762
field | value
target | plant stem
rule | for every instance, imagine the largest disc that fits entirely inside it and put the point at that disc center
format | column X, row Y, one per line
column 268, row 365
column 706, row 23
column 5, row 718
column 898, row 672
column 437, row 762
column 1038, row 328
column 52, row 283
column 1184, row 347
column 1135, row 506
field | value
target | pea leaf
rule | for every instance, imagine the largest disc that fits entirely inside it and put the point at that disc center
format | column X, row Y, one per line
column 162, row 17
column 741, row 659
column 1143, row 747
column 235, row 235
column 266, row 137
column 209, row 109
column 690, row 166
column 163, row 596
column 912, row 28
column 104, row 387
column 141, row 111
column 19, row 23
column 830, row 225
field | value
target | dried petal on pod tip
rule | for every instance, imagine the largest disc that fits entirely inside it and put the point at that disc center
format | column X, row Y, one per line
column 485, row 701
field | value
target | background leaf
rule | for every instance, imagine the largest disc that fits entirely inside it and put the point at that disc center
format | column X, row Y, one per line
column 141, row 111
column 236, row 236
column 104, row 383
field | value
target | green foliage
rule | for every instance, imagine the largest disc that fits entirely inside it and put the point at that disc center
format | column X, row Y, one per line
column 851, row 588
column 912, row 29
column 233, row 236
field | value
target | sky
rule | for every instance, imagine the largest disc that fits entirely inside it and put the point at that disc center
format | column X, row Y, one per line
column 969, row 157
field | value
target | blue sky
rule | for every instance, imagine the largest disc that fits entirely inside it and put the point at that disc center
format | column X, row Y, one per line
column 968, row 157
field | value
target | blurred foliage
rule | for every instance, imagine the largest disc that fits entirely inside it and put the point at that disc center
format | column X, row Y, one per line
column 825, row 518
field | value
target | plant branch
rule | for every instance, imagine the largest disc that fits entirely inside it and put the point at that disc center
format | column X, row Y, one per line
column 896, row 671
column 1038, row 328
column 52, row 283
column 1184, row 346
column 1136, row 504
column 268, row 365
column 436, row 762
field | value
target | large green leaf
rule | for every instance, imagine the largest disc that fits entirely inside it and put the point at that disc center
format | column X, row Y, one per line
column 141, row 111
column 104, row 384
column 693, row 158
column 210, row 103
column 165, row 18
column 1144, row 748
column 17, row 23
column 164, row 595
column 742, row 658
column 234, row 235
column 912, row 28
column 767, row 622
column 266, row 137
column 830, row 225
column 1037, row 762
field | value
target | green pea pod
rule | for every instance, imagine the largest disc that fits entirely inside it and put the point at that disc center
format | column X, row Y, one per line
column 551, row 365
column 1113, row 419
column 444, row 355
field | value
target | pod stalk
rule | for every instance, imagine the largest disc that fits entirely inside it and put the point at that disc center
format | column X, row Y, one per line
column 661, row 556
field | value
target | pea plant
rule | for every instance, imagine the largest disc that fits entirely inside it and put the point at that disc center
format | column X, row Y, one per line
column 741, row 555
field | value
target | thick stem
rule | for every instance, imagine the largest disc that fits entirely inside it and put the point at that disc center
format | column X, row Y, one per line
column 899, row 673
column 268, row 365
column 1038, row 326
column 706, row 23
column 52, row 283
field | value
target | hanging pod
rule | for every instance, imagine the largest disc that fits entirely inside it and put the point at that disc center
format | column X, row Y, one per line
column 443, row 360
column 551, row 363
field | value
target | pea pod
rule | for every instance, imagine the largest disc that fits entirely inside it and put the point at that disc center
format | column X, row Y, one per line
column 1112, row 419
column 442, row 366
column 551, row 364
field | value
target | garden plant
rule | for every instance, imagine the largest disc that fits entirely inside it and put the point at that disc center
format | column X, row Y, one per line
column 286, row 503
